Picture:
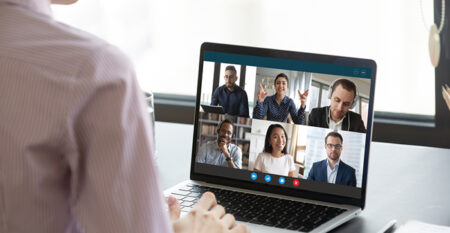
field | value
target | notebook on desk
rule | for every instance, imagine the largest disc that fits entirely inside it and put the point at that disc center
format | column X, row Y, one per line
column 308, row 174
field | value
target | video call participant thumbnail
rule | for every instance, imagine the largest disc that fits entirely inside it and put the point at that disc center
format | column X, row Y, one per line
column 274, row 159
column 333, row 169
column 279, row 106
column 337, row 116
column 230, row 96
column 221, row 152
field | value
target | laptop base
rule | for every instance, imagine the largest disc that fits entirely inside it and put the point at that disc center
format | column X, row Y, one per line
column 189, row 191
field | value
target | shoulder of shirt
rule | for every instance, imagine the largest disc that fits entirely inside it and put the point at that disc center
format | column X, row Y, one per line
column 346, row 166
column 354, row 114
column 288, row 100
column 270, row 98
column 240, row 89
column 319, row 110
column 288, row 158
column 209, row 143
column 57, row 46
column 219, row 90
column 320, row 162
column 234, row 147
column 96, row 55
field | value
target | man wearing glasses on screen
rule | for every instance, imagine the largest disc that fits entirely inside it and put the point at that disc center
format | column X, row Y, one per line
column 333, row 169
column 221, row 152
column 230, row 96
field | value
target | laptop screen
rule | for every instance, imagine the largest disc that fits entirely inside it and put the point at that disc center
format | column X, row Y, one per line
column 283, row 120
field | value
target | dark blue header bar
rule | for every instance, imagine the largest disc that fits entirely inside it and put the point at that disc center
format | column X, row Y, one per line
column 285, row 64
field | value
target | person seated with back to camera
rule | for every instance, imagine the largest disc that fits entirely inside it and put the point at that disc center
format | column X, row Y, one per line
column 277, row 107
column 221, row 152
column 274, row 159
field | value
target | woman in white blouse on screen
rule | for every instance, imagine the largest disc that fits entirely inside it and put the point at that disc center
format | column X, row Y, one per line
column 274, row 158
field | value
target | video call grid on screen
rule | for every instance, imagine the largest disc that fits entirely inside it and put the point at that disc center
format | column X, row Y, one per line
column 305, row 144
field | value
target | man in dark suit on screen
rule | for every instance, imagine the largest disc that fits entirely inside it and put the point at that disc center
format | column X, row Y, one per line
column 333, row 169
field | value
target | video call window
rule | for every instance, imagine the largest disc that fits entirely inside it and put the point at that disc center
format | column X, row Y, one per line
column 282, row 143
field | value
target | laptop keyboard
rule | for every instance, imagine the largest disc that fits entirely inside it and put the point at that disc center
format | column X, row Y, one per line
column 269, row 211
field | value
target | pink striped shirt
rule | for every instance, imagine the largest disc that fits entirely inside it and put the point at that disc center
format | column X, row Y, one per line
column 76, row 151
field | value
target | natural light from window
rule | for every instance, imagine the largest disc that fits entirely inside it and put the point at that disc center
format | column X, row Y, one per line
column 163, row 38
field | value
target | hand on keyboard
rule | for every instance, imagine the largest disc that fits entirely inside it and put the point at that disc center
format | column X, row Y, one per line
column 206, row 216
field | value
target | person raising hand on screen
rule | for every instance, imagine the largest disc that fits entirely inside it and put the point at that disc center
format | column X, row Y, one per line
column 303, row 97
column 261, row 94
column 278, row 106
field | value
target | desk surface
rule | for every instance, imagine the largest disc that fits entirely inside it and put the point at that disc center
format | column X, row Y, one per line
column 404, row 182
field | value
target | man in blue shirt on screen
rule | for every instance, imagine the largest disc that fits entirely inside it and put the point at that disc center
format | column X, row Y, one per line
column 221, row 152
column 230, row 96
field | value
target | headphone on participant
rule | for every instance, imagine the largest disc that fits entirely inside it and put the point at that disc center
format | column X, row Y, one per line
column 339, row 81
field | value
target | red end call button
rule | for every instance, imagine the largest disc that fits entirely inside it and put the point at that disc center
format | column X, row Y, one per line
column 296, row 183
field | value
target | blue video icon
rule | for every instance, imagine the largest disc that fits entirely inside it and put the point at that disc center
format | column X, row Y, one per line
column 267, row 178
column 281, row 180
column 254, row 176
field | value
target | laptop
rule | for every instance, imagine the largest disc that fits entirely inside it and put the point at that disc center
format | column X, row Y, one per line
column 284, row 174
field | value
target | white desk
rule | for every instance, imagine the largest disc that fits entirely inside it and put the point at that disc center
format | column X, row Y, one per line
column 404, row 182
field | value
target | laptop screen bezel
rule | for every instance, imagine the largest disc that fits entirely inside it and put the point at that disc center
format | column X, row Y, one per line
column 282, row 54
